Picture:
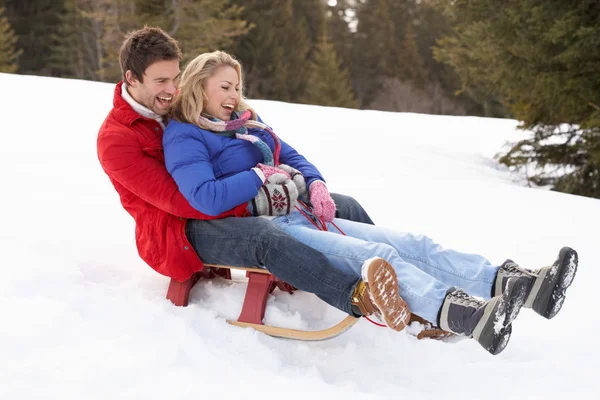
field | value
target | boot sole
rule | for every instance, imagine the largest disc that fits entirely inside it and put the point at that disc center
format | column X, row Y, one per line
column 383, row 289
column 548, row 304
column 497, row 328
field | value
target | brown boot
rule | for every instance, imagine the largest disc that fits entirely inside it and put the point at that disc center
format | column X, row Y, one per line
column 378, row 294
column 430, row 331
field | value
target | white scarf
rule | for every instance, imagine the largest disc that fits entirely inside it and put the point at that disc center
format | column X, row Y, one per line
column 140, row 109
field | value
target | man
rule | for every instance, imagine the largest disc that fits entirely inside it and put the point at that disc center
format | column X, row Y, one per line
column 130, row 152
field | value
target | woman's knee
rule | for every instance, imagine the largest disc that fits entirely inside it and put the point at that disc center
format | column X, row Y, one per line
column 387, row 252
column 427, row 244
column 371, row 249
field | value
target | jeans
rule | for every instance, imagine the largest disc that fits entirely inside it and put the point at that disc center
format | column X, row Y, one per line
column 255, row 241
column 425, row 270
column 348, row 208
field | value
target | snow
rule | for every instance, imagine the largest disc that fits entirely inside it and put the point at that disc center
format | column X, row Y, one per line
column 84, row 317
column 570, row 274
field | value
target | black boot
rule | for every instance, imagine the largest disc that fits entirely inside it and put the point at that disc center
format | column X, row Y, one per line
column 488, row 322
column 547, row 286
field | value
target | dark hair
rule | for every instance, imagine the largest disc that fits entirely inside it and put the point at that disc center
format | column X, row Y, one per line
column 144, row 47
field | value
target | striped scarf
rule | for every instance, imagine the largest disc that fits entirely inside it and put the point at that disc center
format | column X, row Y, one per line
column 238, row 127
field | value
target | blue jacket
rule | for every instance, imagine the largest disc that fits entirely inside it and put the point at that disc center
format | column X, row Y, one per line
column 214, row 173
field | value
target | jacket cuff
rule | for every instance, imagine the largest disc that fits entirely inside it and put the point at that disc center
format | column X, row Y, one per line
column 318, row 180
column 260, row 175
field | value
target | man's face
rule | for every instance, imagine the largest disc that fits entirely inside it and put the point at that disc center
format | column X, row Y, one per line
column 156, row 92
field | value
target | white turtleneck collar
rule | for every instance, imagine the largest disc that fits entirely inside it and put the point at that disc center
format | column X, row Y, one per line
column 140, row 109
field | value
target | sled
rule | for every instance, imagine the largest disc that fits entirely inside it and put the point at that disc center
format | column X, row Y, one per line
column 260, row 284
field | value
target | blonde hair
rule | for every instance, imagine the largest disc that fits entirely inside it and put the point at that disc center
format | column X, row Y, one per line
column 189, row 103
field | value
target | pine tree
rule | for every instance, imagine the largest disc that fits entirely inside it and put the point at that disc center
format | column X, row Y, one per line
column 296, row 46
column 36, row 24
column 338, row 26
column 274, row 52
column 430, row 24
column 80, row 47
column 198, row 25
column 328, row 83
column 312, row 14
column 206, row 25
column 374, row 51
column 541, row 58
column 376, row 34
column 64, row 56
column 412, row 66
column 8, row 40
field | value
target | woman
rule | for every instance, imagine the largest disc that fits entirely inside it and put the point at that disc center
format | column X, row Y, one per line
column 221, row 155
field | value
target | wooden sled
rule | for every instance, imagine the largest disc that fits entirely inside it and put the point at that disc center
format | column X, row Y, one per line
column 260, row 284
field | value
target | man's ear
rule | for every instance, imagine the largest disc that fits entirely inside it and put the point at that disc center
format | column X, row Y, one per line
column 131, row 80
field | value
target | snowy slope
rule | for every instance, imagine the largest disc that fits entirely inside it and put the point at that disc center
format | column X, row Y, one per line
column 84, row 317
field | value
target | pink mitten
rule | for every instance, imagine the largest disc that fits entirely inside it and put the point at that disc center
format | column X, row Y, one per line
column 322, row 203
column 267, row 170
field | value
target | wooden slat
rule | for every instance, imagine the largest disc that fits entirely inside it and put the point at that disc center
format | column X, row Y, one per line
column 251, row 269
column 296, row 334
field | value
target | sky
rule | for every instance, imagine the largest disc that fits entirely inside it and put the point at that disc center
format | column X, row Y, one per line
column 84, row 317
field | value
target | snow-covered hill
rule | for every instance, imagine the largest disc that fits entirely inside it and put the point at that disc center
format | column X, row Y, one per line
column 81, row 316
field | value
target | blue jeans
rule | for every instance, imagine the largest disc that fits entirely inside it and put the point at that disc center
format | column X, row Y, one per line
column 425, row 270
column 257, row 241
column 346, row 207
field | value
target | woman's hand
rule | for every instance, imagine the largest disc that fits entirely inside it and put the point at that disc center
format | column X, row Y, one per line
column 322, row 204
column 267, row 171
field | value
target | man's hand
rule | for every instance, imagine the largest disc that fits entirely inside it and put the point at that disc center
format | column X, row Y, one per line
column 277, row 196
column 297, row 178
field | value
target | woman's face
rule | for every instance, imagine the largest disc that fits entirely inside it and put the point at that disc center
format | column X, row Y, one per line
column 222, row 92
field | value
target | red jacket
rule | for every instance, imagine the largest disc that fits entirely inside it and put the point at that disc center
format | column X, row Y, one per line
column 131, row 153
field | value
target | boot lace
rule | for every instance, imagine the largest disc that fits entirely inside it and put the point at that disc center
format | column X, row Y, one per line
column 462, row 298
column 513, row 268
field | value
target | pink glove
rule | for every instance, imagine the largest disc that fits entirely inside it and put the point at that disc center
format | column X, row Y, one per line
column 267, row 170
column 322, row 203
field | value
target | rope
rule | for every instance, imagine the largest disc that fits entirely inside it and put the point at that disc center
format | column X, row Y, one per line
column 375, row 323
column 323, row 227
